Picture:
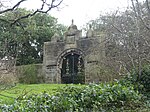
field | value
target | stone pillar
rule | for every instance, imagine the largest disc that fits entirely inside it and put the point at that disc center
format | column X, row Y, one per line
column 51, row 52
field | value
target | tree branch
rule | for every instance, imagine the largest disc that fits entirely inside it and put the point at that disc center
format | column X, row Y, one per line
column 13, row 8
column 137, row 13
column 148, row 7
column 50, row 6
column 40, row 10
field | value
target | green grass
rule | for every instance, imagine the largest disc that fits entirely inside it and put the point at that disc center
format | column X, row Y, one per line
column 9, row 95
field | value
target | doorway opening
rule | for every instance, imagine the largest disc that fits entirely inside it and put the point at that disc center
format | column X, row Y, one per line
column 72, row 69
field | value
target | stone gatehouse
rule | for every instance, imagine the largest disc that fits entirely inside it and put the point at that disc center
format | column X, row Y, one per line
column 68, row 60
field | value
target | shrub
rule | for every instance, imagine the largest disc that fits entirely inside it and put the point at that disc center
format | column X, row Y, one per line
column 93, row 97
column 141, row 81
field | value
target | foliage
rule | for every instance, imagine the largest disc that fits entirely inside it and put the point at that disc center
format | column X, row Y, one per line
column 24, row 40
column 93, row 97
column 143, row 79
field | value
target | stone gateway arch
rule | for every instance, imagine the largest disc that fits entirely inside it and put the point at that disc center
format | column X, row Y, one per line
column 67, row 61
column 71, row 66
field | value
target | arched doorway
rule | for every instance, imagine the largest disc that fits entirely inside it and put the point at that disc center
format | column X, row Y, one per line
column 72, row 68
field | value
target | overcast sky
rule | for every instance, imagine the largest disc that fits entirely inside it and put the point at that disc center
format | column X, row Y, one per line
column 80, row 10
column 84, row 10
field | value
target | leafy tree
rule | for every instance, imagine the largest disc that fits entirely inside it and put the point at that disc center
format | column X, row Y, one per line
column 24, row 40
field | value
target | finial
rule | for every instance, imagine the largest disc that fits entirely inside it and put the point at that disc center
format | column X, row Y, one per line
column 72, row 21
column 90, row 26
column 90, row 32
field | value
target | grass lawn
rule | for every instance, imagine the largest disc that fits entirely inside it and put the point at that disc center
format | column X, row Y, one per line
column 8, row 96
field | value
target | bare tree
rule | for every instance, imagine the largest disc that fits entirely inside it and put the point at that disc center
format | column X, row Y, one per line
column 131, row 34
column 45, row 7
column 127, row 42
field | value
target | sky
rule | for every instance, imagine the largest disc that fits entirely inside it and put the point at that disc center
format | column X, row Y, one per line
column 84, row 10
column 81, row 11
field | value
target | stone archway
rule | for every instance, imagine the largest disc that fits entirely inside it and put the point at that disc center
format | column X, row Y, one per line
column 71, row 66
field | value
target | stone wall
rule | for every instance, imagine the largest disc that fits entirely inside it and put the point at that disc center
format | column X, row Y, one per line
column 30, row 73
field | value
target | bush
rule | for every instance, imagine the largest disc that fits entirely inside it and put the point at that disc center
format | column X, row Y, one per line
column 141, row 81
column 93, row 97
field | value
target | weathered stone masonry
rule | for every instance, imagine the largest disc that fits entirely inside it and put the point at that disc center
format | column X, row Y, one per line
column 63, row 60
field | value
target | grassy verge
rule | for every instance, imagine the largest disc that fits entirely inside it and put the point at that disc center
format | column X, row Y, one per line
column 109, row 97
column 9, row 95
